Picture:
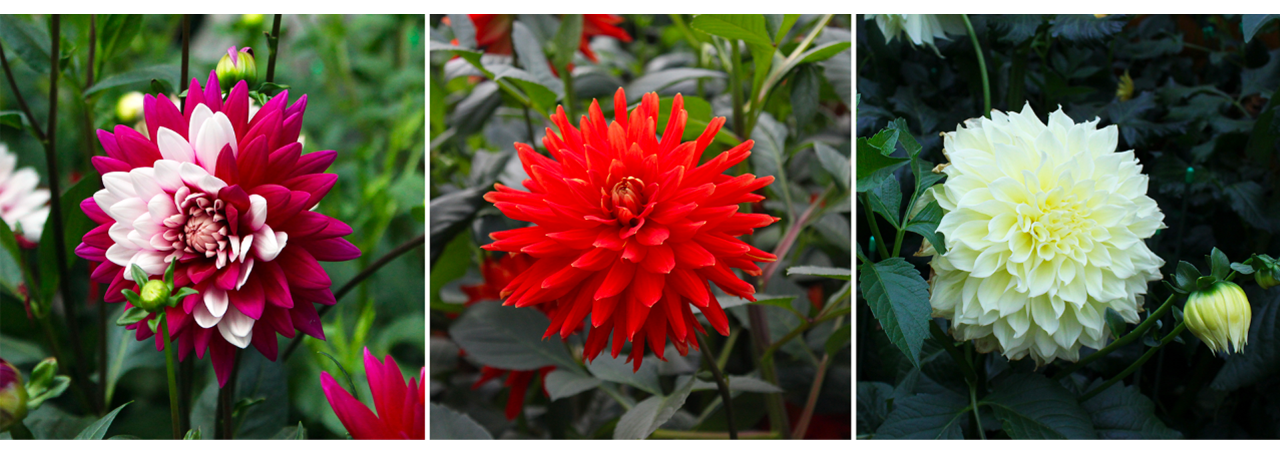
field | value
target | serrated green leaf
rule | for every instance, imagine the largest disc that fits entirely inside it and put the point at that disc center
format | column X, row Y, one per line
column 874, row 399
column 1032, row 406
column 925, row 224
column 618, row 370
column 1122, row 412
column 747, row 27
column 835, row 163
column 874, row 163
column 899, row 299
column 1219, row 264
column 562, row 383
column 925, row 417
column 886, row 200
column 508, row 338
column 139, row 78
column 647, row 416
column 447, row 424
column 1251, row 23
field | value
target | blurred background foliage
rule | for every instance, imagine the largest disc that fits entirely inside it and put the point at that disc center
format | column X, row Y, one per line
column 364, row 81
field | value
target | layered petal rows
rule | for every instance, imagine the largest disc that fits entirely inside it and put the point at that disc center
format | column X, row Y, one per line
column 229, row 196
column 1044, row 228
column 629, row 230
column 401, row 406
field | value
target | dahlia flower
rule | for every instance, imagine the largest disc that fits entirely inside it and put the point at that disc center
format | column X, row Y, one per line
column 13, row 395
column 22, row 207
column 628, row 229
column 493, row 31
column 229, row 196
column 921, row 29
column 401, row 407
column 1044, row 228
column 1219, row 316
column 497, row 274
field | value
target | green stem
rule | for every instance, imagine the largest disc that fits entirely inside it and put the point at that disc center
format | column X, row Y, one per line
column 949, row 344
column 708, row 358
column 273, row 44
column 739, row 116
column 169, row 366
column 973, row 403
column 1137, row 364
column 760, row 344
column 186, row 54
column 1125, row 340
column 982, row 67
column 875, row 230
column 17, row 95
column 815, row 388
column 728, row 348
column 566, row 76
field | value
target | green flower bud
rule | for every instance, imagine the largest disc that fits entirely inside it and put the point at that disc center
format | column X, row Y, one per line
column 237, row 66
column 154, row 295
column 129, row 107
column 1219, row 315
column 13, row 396
column 1266, row 278
column 251, row 20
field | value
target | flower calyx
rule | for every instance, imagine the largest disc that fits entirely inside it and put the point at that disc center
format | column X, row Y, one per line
column 155, row 296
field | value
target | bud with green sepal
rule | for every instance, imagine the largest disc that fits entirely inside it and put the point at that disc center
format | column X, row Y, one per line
column 235, row 66
column 13, row 396
column 157, row 294
column 45, row 383
column 1219, row 315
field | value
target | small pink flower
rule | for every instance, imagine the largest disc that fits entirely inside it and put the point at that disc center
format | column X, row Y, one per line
column 401, row 408
column 229, row 196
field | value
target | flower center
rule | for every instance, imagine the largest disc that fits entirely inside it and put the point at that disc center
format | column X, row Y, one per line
column 205, row 231
column 1052, row 220
column 628, row 200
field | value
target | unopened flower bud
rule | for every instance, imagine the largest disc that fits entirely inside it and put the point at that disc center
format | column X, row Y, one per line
column 154, row 295
column 1266, row 278
column 13, row 396
column 1220, row 315
column 129, row 107
column 236, row 66
column 251, row 20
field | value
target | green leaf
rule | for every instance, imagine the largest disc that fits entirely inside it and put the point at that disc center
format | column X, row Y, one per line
column 115, row 32
column 873, row 405
column 447, row 424
column 1032, row 406
column 617, row 370
column 1220, row 265
column 297, row 432
column 1251, row 23
column 140, row 77
column 783, row 302
column 886, row 200
column 824, row 271
column 925, row 224
column 874, row 161
column 1123, row 413
column 98, row 429
column 1262, row 358
column 542, row 96
column 568, row 38
column 834, row 162
column 561, row 383
column 823, row 51
column 463, row 30
column 259, row 378
column 193, row 434
column 1247, row 200
column 1116, row 323
column 699, row 117
column 1083, row 27
column 838, row 74
column 925, row 417
column 657, row 81
column 740, row 383
column 131, row 315
column 769, row 155
column 12, row 118
column 788, row 21
column 1264, row 141
column 125, row 353
column 749, row 28
column 806, row 90
column 450, row 214
column 74, row 225
column 27, row 40
column 529, row 50
column 1186, row 276
column 899, row 299
column 508, row 338
column 839, row 340
column 650, row 414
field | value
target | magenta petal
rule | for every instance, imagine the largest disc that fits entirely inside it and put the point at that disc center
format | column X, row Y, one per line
column 264, row 124
column 303, row 269
column 195, row 97
column 227, row 277
column 106, row 272
column 387, row 386
column 316, row 162
column 278, row 320
column 335, row 228
column 333, row 250
column 237, row 108
column 316, row 295
column 213, row 92
column 249, row 299
column 226, row 168
column 223, row 355
column 109, row 145
column 91, row 253
column 317, row 184
column 168, row 116
column 306, row 319
column 149, row 115
column 305, row 224
column 252, row 162
column 289, row 130
column 357, row 418
column 136, row 149
column 105, row 165
column 99, row 237
column 91, row 209
column 273, row 106
column 265, row 340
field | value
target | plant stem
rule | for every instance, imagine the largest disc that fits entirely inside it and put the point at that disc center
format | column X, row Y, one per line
column 1137, row 364
column 1125, row 340
column 186, row 53
column 982, row 67
column 735, row 74
column 760, row 344
column 169, row 360
column 22, row 103
column 875, row 231
column 226, row 399
column 973, row 403
column 566, row 76
column 93, row 38
column 346, row 288
column 708, row 358
column 803, row 425
column 273, row 43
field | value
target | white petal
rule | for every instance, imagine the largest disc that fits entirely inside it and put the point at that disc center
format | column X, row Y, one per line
column 168, row 175
column 119, row 184
column 257, row 211
column 173, row 146
column 204, row 318
column 267, row 243
column 216, row 300
column 244, row 271
column 215, row 134
column 236, row 328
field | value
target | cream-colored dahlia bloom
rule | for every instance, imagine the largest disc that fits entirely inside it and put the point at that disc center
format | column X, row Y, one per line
column 921, row 29
column 23, row 206
column 1044, row 228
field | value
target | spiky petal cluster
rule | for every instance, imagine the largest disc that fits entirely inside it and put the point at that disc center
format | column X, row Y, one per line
column 401, row 406
column 23, row 207
column 229, row 196
column 629, row 229
column 1044, row 228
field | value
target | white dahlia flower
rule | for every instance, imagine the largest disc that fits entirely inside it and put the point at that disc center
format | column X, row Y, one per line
column 1044, row 228
column 921, row 29
column 23, row 207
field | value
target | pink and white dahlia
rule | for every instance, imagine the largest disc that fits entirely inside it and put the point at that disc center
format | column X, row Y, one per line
column 23, row 207
column 229, row 196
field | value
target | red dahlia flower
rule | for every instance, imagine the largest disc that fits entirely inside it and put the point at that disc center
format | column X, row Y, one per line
column 401, row 407
column 493, row 31
column 230, row 198
column 629, row 229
